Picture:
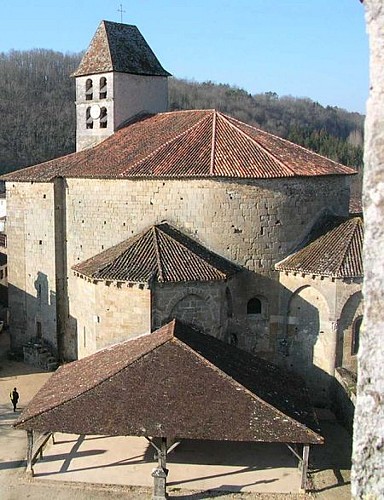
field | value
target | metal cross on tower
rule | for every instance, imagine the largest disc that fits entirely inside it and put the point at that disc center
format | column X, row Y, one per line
column 121, row 12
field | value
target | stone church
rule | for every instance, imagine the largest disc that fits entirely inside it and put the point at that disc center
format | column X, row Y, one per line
column 190, row 215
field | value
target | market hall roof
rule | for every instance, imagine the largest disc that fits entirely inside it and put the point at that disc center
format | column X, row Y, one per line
column 121, row 48
column 186, row 144
column 336, row 250
column 160, row 253
column 174, row 382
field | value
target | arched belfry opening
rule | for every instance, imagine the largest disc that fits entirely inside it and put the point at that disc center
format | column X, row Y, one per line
column 88, row 119
column 88, row 89
column 103, row 118
column 103, row 91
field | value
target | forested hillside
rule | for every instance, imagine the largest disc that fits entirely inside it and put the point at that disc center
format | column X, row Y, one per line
column 38, row 112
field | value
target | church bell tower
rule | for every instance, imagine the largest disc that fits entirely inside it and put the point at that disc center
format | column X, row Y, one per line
column 118, row 78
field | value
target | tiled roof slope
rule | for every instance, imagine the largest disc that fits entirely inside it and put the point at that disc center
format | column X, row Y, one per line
column 338, row 252
column 122, row 48
column 198, row 143
column 160, row 253
column 175, row 382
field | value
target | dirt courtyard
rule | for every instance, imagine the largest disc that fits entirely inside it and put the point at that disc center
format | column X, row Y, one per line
column 120, row 467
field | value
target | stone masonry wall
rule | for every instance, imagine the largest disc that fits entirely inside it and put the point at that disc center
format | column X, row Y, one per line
column 368, row 442
column 31, row 273
column 127, row 95
column 201, row 305
column 252, row 223
column 317, row 314
column 107, row 313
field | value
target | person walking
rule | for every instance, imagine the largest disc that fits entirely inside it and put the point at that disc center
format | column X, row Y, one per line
column 14, row 395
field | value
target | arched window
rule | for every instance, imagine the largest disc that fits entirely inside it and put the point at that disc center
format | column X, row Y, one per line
column 88, row 119
column 228, row 299
column 88, row 90
column 356, row 335
column 103, row 118
column 254, row 306
column 103, row 88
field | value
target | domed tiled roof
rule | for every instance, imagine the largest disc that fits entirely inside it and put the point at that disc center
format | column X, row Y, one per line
column 160, row 253
column 187, row 144
column 337, row 252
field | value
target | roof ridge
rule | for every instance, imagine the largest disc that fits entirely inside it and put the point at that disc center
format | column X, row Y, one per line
column 108, row 41
column 295, row 145
column 168, row 236
column 142, row 355
column 213, row 145
column 162, row 146
column 255, row 142
column 157, row 251
column 130, row 241
column 239, row 384
column 355, row 222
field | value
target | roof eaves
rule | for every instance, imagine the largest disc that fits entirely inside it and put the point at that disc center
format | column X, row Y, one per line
column 69, row 399
column 213, row 145
column 108, row 45
column 238, row 386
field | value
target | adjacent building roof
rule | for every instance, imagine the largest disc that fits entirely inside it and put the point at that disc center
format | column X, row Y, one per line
column 122, row 48
column 160, row 253
column 175, row 382
column 186, row 144
column 336, row 252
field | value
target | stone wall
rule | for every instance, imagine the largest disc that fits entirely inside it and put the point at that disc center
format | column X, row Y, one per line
column 368, row 443
column 201, row 305
column 31, row 270
column 252, row 223
column 317, row 318
column 127, row 95
column 107, row 313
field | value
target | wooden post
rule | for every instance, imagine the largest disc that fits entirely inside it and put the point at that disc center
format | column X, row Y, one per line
column 160, row 473
column 304, row 467
column 29, row 469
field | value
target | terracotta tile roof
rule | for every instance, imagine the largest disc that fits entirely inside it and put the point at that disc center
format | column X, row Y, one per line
column 160, row 253
column 199, row 143
column 122, row 48
column 175, row 382
column 337, row 252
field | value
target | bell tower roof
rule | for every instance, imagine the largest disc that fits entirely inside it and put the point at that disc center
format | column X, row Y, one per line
column 120, row 48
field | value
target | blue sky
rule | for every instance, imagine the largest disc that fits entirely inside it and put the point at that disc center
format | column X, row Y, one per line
column 304, row 48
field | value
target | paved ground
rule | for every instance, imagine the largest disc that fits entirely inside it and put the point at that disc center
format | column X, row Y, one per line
column 82, row 468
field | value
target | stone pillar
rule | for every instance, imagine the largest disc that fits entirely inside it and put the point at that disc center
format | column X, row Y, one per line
column 368, row 441
column 160, row 473
column 159, row 483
